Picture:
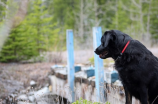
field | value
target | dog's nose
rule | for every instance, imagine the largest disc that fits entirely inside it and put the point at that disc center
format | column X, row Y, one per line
column 96, row 51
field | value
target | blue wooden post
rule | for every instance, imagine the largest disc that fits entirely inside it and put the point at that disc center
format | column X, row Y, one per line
column 70, row 61
column 98, row 62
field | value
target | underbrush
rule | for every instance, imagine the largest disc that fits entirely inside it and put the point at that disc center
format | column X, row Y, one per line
column 83, row 101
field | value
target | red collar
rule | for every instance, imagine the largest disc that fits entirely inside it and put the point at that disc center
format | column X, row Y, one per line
column 123, row 50
column 125, row 47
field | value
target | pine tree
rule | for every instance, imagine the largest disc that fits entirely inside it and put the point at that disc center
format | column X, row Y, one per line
column 3, row 6
column 154, row 19
column 17, row 47
column 121, row 20
column 33, row 36
column 63, row 14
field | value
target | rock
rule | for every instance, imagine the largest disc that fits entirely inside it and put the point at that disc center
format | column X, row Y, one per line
column 41, row 92
column 22, row 98
column 31, row 98
column 33, row 83
column 117, row 83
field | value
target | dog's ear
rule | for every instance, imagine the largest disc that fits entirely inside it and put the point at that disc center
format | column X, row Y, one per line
column 107, row 37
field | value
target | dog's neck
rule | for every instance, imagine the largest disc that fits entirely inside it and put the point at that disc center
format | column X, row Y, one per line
column 120, row 55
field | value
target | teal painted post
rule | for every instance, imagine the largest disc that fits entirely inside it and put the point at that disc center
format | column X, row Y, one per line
column 70, row 61
column 98, row 62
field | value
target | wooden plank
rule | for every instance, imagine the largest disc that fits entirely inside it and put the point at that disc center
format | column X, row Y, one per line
column 70, row 61
column 99, row 71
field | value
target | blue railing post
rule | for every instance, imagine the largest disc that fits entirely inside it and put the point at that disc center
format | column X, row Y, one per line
column 98, row 62
column 70, row 61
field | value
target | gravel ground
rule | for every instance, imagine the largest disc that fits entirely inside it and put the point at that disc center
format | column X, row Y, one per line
column 15, row 77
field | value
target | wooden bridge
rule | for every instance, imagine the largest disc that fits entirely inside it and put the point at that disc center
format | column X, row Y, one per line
column 84, row 85
column 96, row 84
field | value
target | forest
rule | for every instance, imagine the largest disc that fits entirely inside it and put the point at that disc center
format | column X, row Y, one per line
column 31, row 27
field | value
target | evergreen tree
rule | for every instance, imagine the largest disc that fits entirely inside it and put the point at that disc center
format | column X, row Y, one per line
column 63, row 14
column 43, row 31
column 33, row 36
column 121, row 19
column 18, row 46
column 3, row 6
column 154, row 19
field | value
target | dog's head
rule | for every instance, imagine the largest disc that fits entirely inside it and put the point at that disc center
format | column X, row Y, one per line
column 112, row 43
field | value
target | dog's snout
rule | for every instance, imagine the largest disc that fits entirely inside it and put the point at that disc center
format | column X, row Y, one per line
column 96, row 51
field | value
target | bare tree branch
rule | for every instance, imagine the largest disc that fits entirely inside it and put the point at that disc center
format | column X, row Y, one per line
column 124, row 7
column 146, row 1
column 148, row 19
column 133, row 18
column 3, row 4
column 113, row 8
column 98, row 22
column 100, row 12
column 137, row 5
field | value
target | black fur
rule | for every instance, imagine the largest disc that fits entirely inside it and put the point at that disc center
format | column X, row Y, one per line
column 137, row 67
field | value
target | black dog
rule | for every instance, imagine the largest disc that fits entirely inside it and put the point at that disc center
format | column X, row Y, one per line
column 136, row 65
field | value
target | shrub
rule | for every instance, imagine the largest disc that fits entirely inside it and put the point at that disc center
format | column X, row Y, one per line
column 82, row 101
